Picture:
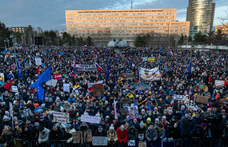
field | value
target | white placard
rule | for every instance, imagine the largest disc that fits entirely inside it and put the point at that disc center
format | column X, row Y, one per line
column 131, row 143
column 90, row 119
column 38, row 61
column 66, row 87
column 61, row 117
column 144, row 59
column 179, row 97
column 14, row 88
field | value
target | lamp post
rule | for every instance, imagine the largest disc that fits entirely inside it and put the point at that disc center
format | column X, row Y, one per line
column 5, row 43
column 14, row 48
column 7, row 40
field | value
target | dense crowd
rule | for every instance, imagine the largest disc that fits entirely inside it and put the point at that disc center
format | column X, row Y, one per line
column 161, row 117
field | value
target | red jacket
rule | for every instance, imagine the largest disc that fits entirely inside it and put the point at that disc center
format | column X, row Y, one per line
column 7, row 86
column 121, row 135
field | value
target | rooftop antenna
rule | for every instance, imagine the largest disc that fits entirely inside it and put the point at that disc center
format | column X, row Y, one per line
column 131, row 5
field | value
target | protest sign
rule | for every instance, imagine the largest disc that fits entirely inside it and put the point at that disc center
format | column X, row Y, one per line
column 141, row 136
column 151, row 59
column 201, row 86
column 150, row 74
column 14, row 88
column 57, row 76
column 130, row 76
column 98, row 89
column 79, row 138
column 219, row 82
column 2, row 77
column 139, row 86
column 179, row 97
column 131, row 142
column 52, row 82
column 90, row 119
column 66, row 87
column 86, row 67
column 144, row 59
column 61, row 117
column 133, row 113
column 38, row 61
column 100, row 141
column 202, row 99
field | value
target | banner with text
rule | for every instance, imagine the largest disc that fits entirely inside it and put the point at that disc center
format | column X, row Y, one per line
column 86, row 67
column 61, row 117
column 90, row 119
column 139, row 86
column 150, row 74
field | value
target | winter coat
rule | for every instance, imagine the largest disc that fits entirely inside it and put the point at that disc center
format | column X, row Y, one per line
column 122, row 136
column 112, row 135
column 217, row 127
column 175, row 133
column 66, row 107
column 70, row 132
column 142, row 132
column 102, row 133
column 55, row 136
column 132, row 135
column 44, row 136
column 44, row 123
column 186, row 127
column 161, row 133
column 151, row 135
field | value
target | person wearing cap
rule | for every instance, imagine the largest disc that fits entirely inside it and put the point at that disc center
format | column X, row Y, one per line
column 104, row 125
column 66, row 106
column 35, row 131
column 100, row 132
column 68, row 130
column 187, row 127
column 141, row 134
column 147, row 124
column 43, row 122
column 43, row 135
column 112, row 136
column 37, row 108
column 151, row 135
column 122, row 136
column 161, row 132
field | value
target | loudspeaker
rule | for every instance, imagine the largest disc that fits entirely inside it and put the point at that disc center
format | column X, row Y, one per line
column 38, row 41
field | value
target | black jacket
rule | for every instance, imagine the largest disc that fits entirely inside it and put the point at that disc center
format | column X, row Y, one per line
column 55, row 136
column 102, row 133
column 217, row 127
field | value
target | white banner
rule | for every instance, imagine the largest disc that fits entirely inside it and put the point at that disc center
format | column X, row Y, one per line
column 90, row 119
column 14, row 88
column 61, row 117
column 86, row 67
column 150, row 74
column 100, row 141
column 144, row 58
column 131, row 142
column 38, row 61
column 179, row 97
column 66, row 87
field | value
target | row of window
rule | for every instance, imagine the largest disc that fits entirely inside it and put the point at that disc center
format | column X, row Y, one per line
column 96, row 18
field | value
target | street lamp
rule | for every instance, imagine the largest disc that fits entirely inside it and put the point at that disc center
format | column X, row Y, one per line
column 5, row 43
column 7, row 40
column 14, row 48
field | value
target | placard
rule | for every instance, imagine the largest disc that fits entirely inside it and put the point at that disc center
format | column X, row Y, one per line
column 202, row 99
column 134, row 113
column 2, row 77
column 141, row 136
column 86, row 67
column 79, row 138
column 139, row 86
column 150, row 74
column 144, row 59
column 52, row 82
column 90, row 119
column 179, row 97
column 98, row 89
column 66, row 87
column 61, row 117
column 130, row 76
column 201, row 86
column 100, row 141
column 14, row 88
column 151, row 59
column 57, row 76
column 38, row 61
column 131, row 142
column 219, row 82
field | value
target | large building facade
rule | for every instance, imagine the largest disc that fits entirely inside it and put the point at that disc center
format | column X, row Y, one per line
column 200, row 13
column 19, row 29
column 125, row 24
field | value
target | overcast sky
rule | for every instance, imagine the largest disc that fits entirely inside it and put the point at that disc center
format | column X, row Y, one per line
column 50, row 14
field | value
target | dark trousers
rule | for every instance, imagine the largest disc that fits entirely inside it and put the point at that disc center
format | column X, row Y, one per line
column 216, row 141
column 187, row 141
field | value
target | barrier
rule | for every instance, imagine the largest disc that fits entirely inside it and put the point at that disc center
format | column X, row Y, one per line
column 196, row 142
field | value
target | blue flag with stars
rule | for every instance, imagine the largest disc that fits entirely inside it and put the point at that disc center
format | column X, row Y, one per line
column 19, row 70
column 40, row 92
column 46, row 76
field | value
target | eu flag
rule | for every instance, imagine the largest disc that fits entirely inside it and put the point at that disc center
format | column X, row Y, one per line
column 107, row 71
column 190, row 69
column 40, row 92
column 19, row 70
column 135, row 104
column 148, row 105
column 46, row 76
column 62, row 53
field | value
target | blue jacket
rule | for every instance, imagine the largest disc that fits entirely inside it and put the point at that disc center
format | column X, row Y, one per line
column 71, row 99
column 187, row 126
column 37, row 109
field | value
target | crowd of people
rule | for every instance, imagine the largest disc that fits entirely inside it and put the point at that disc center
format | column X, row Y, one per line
column 162, row 118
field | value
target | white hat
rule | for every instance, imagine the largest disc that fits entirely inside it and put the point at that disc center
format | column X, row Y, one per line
column 5, row 117
column 111, row 127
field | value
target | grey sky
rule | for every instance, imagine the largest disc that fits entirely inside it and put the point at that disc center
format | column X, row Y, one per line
column 50, row 14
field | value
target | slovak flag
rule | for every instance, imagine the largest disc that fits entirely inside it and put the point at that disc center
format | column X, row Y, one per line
column 99, row 68
column 90, row 85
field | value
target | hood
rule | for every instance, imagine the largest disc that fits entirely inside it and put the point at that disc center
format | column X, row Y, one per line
column 132, row 127
column 219, row 115
column 210, row 104
column 83, row 126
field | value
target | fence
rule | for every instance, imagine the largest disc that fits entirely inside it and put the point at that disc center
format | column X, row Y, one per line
column 196, row 142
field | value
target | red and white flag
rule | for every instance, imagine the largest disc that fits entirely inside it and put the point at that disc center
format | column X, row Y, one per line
column 90, row 85
column 114, row 105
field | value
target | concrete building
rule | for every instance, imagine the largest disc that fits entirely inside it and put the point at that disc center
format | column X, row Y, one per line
column 124, row 24
column 19, row 29
column 200, row 13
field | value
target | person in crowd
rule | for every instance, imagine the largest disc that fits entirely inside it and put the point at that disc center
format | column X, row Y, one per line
column 122, row 136
column 151, row 134
column 112, row 136
column 55, row 136
column 43, row 135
